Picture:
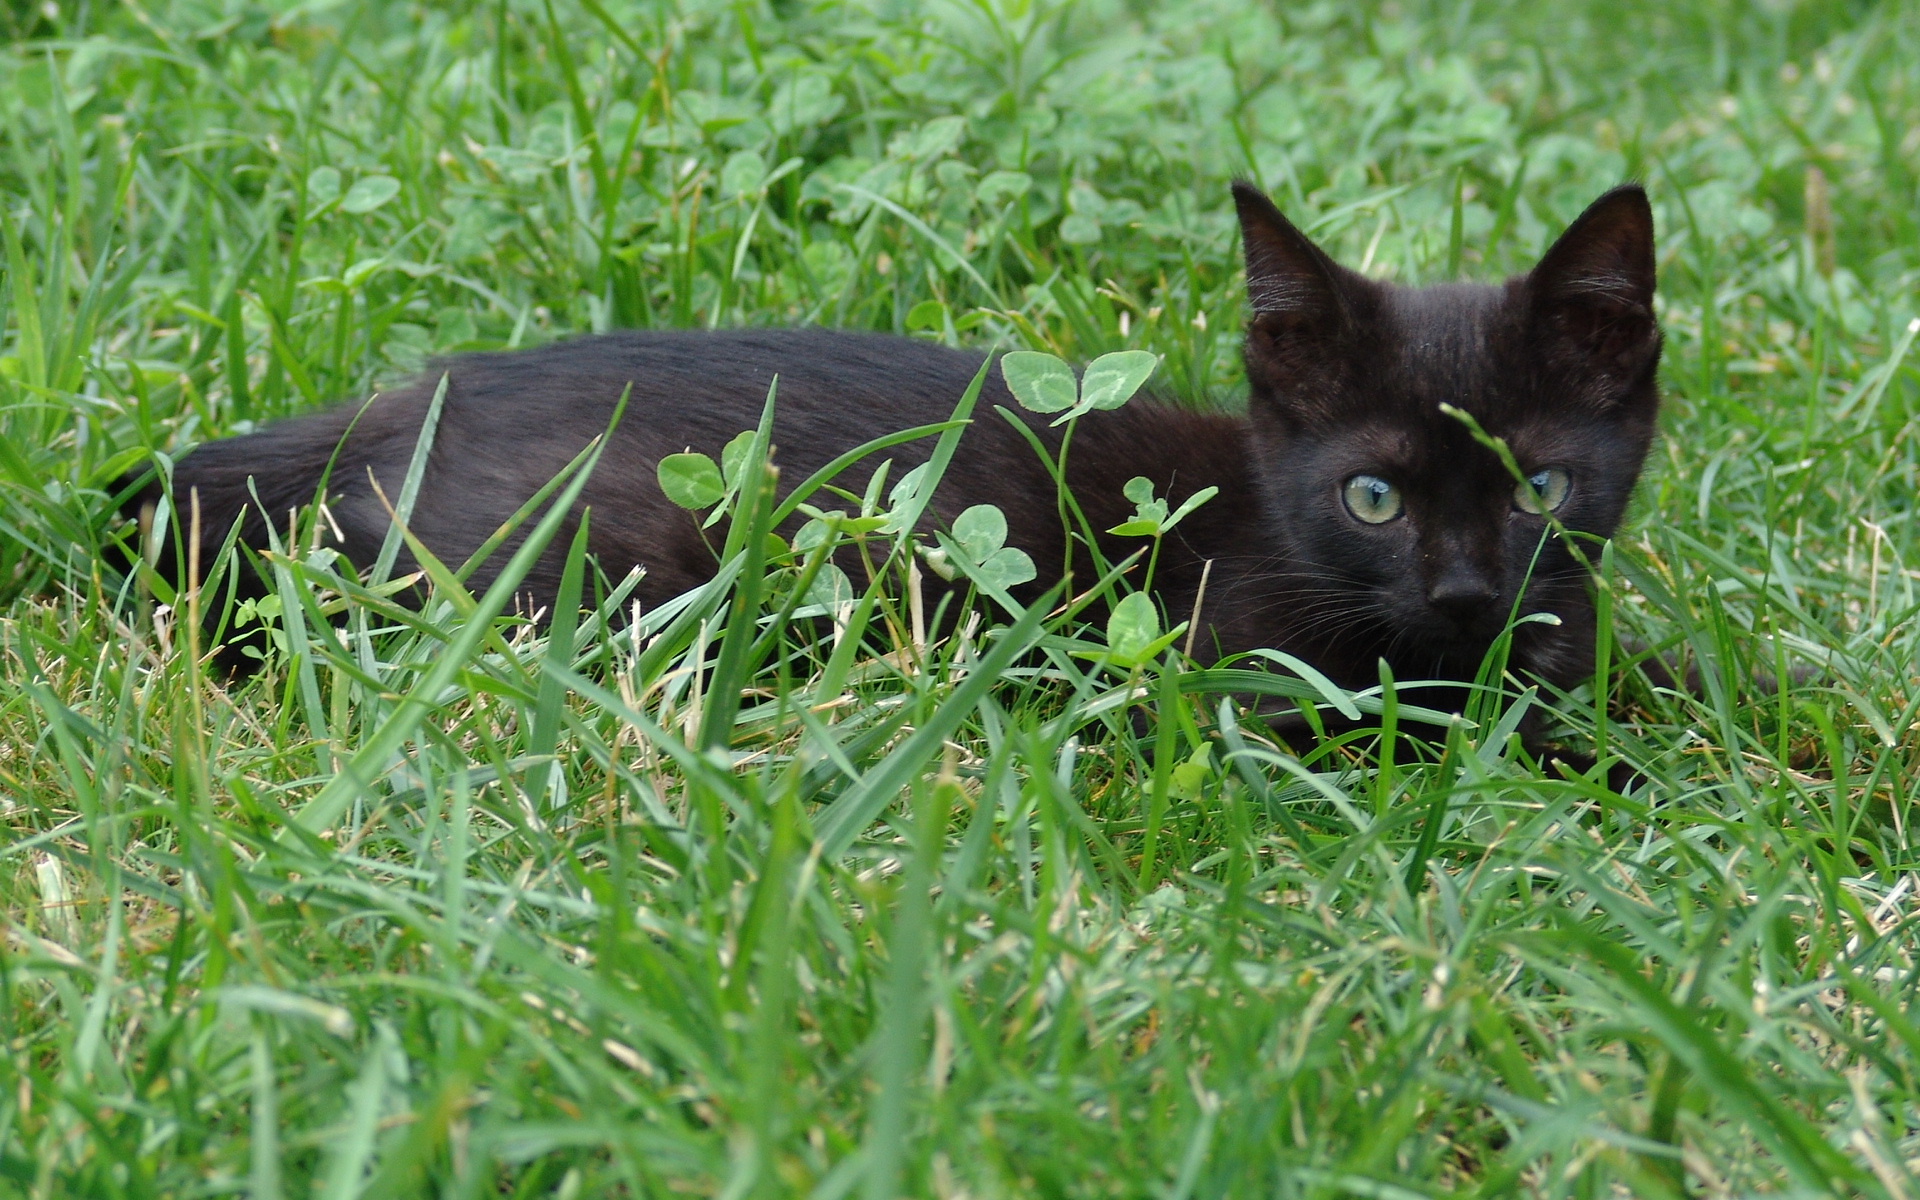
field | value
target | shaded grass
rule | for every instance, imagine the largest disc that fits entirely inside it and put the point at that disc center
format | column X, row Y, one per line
column 700, row 908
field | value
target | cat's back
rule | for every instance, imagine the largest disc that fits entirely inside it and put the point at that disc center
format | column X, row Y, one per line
column 512, row 411
column 717, row 358
column 721, row 374
column 510, row 418
column 683, row 386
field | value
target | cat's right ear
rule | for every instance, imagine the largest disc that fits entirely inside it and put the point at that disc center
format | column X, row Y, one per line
column 1293, row 289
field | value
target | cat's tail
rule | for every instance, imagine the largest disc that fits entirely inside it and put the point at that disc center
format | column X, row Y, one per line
column 244, row 490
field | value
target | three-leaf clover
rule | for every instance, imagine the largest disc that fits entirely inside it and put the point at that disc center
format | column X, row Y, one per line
column 979, row 540
column 1044, row 383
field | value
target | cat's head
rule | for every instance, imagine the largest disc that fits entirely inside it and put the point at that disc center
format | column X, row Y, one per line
column 1389, row 502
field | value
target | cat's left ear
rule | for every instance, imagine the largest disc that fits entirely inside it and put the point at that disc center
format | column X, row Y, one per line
column 1593, row 291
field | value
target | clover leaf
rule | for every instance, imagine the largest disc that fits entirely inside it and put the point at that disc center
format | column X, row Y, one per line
column 691, row 480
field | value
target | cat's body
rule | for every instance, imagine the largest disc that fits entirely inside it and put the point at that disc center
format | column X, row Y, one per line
column 1420, row 565
column 511, row 421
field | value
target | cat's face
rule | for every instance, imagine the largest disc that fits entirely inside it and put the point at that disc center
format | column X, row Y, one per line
column 1418, row 536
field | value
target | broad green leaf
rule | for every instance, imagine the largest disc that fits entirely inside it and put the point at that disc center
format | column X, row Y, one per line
column 1191, row 773
column 980, row 531
column 1005, row 568
column 1042, row 383
column 907, row 488
column 930, row 140
column 733, row 456
column 903, row 501
column 816, row 531
column 742, row 173
column 369, row 192
column 831, row 589
column 1132, row 628
column 801, row 102
column 691, row 480
column 323, row 186
column 928, row 314
column 1079, row 229
column 998, row 187
column 1112, row 379
column 1139, row 489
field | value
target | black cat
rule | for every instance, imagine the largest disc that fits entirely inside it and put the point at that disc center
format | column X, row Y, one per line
column 1355, row 521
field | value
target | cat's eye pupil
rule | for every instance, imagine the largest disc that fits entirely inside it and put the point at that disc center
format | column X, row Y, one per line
column 1544, row 491
column 1372, row 499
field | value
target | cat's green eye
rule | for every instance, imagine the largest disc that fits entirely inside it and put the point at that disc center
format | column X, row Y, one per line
column 1543, row 491
column 1372, row 499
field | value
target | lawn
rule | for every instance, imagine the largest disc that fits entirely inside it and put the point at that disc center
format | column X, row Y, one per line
column 437, row 903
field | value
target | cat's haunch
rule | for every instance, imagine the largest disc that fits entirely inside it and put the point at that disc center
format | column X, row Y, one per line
column 1358, row 518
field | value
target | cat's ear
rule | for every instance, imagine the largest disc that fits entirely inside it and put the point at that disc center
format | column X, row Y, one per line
column 1294, row 291
column 1593, row 290
column 1288, row 277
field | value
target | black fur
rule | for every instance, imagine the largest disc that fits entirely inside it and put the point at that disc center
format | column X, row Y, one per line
column 1347, row 377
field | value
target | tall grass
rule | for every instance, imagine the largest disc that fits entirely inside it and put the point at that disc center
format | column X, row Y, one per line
column 773, row 892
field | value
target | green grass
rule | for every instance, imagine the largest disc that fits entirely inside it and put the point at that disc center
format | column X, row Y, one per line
column 438, row 905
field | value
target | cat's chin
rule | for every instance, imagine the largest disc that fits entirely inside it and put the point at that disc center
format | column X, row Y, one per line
column 1536, row 648
column 1441, row 638
column 1441, row 654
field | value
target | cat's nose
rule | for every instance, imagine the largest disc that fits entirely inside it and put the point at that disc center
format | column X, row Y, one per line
column 1463, row 593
